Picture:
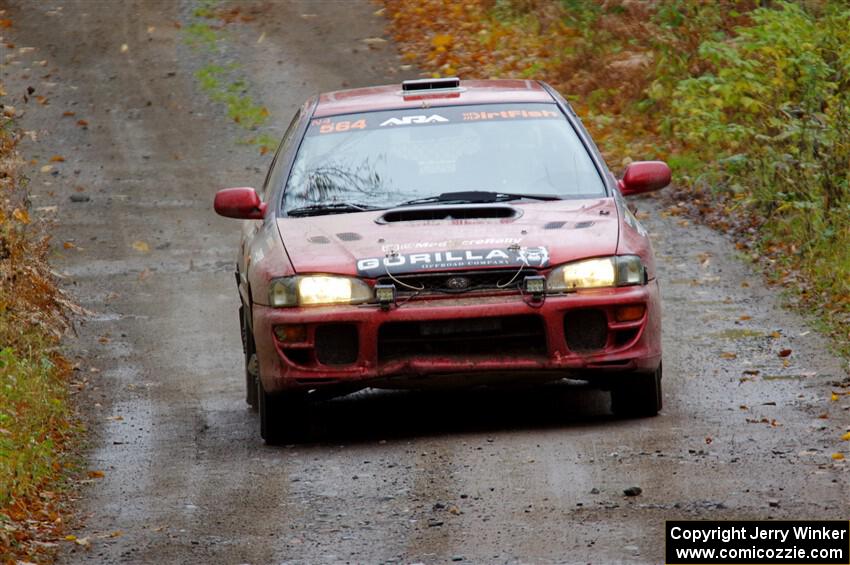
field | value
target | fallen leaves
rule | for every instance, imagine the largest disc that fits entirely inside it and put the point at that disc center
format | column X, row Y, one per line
column 773, row 423
column 838, row 456
column 784, row 352
column 21, row 215
column 141, row 246
column 35, row 417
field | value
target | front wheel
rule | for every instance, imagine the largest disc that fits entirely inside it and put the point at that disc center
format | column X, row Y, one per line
column 283, row 416
column 252, row 367
column 637, row 395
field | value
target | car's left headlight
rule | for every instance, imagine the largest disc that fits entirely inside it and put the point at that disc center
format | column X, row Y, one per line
column 315, row 290
column 623, row 270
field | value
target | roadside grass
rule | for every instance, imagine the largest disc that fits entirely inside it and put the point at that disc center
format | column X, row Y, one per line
column 222, row 83
column 36, row 415
column 748, row 101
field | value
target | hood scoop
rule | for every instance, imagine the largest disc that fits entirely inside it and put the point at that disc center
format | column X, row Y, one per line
column 459, row 212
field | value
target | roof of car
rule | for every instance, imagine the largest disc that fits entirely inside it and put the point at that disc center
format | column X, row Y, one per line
column 391, row 97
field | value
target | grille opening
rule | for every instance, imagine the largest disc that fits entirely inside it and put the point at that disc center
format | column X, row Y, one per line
column 337, row 344
column 494, row 336
column 464, row 212
column 624, row 337
column 475, row 281
column 298, row 356
column 586, row 330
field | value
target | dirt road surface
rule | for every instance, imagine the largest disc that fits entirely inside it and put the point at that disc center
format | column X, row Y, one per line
column 532, row 476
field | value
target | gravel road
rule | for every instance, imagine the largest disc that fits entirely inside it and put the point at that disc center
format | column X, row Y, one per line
column 531, row 476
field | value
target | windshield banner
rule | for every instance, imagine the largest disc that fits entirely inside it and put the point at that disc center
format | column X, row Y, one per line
column 396, row 263
column 421, row 117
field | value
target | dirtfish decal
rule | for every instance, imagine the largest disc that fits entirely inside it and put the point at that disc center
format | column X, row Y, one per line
column 396, row 263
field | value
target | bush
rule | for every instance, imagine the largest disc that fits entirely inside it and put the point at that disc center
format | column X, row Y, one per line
column 771, row 118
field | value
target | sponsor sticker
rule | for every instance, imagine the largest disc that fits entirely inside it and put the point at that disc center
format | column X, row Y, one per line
column 430, row 260
column 443, row 115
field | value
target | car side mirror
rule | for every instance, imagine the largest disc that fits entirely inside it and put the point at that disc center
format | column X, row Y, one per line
column 242, row 203
column 644, row 176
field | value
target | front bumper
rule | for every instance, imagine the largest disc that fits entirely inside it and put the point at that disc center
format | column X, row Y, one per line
column 372, row 352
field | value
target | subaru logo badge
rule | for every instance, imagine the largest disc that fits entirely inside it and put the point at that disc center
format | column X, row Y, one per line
column 457, row 283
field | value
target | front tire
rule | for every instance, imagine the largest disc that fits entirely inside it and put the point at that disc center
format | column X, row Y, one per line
column 283, row 416
column 252, row 367
column 637, row 395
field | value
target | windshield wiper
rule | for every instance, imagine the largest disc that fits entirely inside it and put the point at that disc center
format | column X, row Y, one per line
column 330, row 208
column 476, row 197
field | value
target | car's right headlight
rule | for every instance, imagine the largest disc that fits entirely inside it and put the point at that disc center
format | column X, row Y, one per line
column 317, row 290
column 602, row 272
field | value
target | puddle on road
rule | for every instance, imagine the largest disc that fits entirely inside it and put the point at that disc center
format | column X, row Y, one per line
column 784, row 377
column 737, row 333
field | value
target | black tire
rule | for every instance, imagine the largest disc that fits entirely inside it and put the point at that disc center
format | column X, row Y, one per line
column 283, row 416
column 637, row 395
column 252, row 368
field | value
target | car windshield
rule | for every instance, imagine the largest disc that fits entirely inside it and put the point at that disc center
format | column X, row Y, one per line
column 386, row 159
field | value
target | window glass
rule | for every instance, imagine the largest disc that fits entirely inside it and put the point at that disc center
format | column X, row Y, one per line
column 381, row 159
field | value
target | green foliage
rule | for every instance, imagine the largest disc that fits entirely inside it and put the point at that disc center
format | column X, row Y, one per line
column 217, row 82
column 772, row 114
column 222, row 83
column 34, row 416
column 200, row 34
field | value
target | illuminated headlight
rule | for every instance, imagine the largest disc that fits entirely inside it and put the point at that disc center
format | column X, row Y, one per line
column 596, row 273
column 314, row 290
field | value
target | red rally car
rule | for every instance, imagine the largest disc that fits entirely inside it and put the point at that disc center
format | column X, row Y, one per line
column 443, row 232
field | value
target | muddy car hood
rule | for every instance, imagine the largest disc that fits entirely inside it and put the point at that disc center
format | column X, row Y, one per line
column 547, row 233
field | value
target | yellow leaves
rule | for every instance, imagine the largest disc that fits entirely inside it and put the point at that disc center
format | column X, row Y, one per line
column 69, row 245
column 57, row 159
column 834, row 397
column 96, row 474
column 846, row 437
column 443, row 41
column 838, row 457
column 21, row 215
column 141, row 246
column 728, row 355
